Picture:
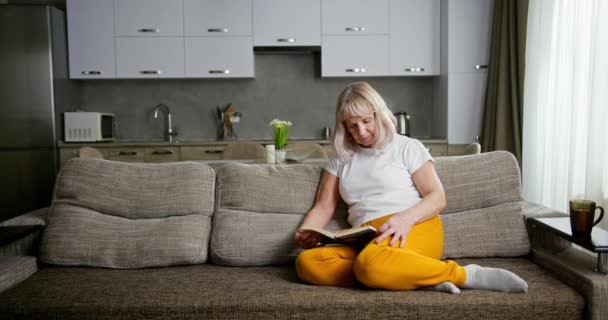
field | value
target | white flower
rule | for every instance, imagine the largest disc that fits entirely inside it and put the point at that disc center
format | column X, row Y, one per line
column 279, row 123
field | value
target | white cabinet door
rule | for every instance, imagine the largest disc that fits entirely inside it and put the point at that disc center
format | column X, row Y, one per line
column 469, row 29
column 91, row 38
column 414, row 39
column 354, row 56
column 159, row 18
column 219, row 57
column 217, row 17
column 287, row 22
column 355, row 17
column 466, row 92
column 147, row 57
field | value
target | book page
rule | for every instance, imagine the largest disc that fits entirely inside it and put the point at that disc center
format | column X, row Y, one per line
column 323, row 232
column 355, row 232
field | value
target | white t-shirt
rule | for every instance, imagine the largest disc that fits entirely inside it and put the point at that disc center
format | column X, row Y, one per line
column 378, row 182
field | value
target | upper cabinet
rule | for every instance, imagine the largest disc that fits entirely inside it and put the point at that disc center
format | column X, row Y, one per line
column 219, row 18
column 414, row 37
column 146, row 57
column 354, row 56
column 287, row 23
column 355, row 17
column 91, row 39
column 143, row 18
column 219, row 57
column 468, row 35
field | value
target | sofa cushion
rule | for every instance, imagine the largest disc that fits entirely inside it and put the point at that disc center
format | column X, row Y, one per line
column 483, row 215
column 213, row 292
column 258, row 208
column 127, row 215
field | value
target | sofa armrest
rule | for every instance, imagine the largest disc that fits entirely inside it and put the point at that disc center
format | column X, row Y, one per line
column 13, row 270
column 576, row 268
column 539, row 239
column 25, row 233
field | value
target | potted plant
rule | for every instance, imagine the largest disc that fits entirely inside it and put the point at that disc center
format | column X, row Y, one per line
column 280, row 134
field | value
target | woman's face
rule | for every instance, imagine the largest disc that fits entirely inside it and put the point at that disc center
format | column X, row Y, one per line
column 362, row 129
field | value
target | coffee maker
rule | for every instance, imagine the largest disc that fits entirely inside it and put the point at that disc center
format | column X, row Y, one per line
column 403, row 123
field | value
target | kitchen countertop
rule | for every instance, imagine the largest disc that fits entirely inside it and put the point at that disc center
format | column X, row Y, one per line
column 200, row 142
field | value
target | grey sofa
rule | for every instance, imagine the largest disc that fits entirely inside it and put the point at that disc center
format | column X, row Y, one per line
column 182, row 241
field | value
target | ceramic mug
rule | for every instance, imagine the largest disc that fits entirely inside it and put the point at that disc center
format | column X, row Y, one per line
column 582, row 213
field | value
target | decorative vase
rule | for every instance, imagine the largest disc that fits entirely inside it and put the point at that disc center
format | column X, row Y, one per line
column 279, row 156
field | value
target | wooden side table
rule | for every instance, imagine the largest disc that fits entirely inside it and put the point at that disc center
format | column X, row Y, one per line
column 598, row 242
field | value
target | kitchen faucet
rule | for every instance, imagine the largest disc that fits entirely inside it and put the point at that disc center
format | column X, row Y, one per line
column 170, row 131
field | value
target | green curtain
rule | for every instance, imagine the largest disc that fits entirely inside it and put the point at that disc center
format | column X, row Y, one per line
column 503, row 110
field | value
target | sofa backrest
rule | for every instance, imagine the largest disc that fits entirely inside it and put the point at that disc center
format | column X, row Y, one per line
column 259, row 207
column 129, row 215
column 483, row 215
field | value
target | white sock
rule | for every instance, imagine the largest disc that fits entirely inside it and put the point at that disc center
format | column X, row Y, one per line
column 493, row 279
column 446, row 287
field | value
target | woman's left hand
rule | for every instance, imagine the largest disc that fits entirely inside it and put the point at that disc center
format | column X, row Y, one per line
column 398, row 227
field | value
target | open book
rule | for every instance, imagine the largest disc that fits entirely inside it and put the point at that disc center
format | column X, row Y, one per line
column 358, row 235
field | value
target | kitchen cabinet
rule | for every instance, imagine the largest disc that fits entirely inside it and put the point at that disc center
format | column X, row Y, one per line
column 189, row 153
column 286, row 23
column 437, row 149
column 91, row 39
column 355, row 17
column 414, row 37
column 213, row 18
column 468, row 29
column 148, row 18
column 147, row 57
column 219, row 57
column 354, row 56
column 161, row 154
column 466, row 94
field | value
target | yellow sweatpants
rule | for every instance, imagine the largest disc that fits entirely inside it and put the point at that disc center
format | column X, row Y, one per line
column 382, row 266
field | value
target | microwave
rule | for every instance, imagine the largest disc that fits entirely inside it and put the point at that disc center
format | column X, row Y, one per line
column 89, row 126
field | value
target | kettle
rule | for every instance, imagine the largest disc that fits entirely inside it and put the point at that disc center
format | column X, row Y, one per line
column 403, row 123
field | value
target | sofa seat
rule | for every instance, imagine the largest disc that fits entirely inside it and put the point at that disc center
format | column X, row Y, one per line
column 215, row 292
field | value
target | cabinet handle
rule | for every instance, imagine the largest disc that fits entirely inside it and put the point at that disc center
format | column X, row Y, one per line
column 213, row 151
column 162, row 152
column 481, row 66
column 414, row 69
column 149, row 30
column 151, row 72
column 356, row 70
column 290, row 40
column 92, row 72
column 126, row 153
column 428, row 149
column 223, row 30
column 219, row 71
column 355, row 29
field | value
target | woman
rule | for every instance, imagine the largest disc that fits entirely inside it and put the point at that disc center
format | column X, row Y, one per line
column 389, row 182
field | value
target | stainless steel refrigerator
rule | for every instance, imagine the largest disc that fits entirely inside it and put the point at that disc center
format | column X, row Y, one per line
column 34, row 88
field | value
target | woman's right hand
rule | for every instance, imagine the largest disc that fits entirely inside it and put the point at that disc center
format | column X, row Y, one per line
column 307, row 239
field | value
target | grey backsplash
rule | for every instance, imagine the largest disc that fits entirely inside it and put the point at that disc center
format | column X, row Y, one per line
column 286, row 86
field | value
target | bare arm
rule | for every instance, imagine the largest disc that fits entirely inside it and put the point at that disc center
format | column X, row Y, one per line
column 327, row 199
column 433, row 201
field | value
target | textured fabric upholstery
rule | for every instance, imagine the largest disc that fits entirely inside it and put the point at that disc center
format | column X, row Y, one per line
column 214, row 292
column 15, row 269
column 483, row 216
column 259, row 207
column 126, row 215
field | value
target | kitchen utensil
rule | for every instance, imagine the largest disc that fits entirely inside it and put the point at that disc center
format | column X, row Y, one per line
column 403, row 123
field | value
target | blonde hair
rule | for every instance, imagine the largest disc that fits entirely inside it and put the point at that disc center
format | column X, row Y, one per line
column 357, row 100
